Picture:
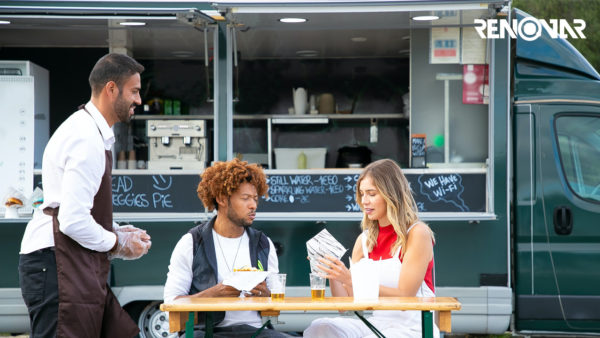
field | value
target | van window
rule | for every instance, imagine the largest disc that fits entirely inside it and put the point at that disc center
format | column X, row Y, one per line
column 579, row 147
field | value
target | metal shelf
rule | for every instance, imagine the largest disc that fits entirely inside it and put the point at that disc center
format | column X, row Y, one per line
column 281, row 117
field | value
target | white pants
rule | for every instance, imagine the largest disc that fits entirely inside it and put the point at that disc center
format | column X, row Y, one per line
column 340, row 327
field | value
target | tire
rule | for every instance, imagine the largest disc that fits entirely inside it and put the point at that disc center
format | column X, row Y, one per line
column 153, row 322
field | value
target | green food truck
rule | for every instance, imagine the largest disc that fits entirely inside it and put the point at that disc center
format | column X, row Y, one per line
column 498, row 135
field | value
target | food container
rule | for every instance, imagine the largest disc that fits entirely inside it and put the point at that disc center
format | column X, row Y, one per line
column 287, row 158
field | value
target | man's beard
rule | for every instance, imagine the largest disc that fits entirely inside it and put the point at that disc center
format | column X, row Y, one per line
column 121, row 107
column 239, row 221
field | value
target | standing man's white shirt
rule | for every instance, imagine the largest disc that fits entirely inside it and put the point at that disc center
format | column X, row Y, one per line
column 72, row 170
column 179, row 277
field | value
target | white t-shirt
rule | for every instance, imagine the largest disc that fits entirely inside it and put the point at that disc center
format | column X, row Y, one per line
column 179, row 277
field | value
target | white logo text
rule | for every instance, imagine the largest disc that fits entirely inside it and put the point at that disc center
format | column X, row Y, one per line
column 529, row 28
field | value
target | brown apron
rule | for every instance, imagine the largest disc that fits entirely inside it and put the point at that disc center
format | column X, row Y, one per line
column 86, row 305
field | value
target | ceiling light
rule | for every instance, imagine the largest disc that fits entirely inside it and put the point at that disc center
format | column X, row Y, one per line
column 359, row 39
column 132, row 23
column 4, row 22
column 307, row 53
column 292, row 20
column 425, row 17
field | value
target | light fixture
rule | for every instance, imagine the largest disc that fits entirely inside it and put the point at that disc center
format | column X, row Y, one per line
column 4, row 22
column 307, row 53
column 132, row 23
column 358, row 39
column 292, row 20
column 425, row 18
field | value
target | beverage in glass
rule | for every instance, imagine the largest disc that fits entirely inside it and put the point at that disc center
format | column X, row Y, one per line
column 317, row 294
column 276, row 284
column 277, row 296
column 317, row 287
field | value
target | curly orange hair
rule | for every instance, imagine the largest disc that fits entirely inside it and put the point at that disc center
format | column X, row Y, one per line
column 224, row 178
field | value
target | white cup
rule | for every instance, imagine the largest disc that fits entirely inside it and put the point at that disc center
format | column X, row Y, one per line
column 365, row 280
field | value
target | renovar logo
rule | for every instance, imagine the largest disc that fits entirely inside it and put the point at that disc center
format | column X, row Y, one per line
column 529, row 28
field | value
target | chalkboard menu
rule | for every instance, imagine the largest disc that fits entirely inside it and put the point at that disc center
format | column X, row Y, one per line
column 418, row 151
column 156, row 193
column 450, row 192
column 304, row 193
column 417, row 145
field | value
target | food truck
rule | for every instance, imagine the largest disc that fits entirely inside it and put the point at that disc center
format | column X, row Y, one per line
column 498, row 135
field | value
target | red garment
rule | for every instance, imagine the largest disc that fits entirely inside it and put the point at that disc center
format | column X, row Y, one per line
column 385, row 240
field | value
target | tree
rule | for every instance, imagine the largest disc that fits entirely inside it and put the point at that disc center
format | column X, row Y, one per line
column 588, row 10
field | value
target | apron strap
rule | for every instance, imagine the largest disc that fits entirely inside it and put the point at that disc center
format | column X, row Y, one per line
column 364, row 243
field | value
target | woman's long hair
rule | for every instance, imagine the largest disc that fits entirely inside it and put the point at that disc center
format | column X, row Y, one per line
column 402, row 210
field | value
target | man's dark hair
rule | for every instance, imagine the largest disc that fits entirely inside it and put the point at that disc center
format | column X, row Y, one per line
column 113, row 67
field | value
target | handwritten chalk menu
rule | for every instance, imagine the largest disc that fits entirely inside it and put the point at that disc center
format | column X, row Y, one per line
column 156, row 193
column 311, row 193
column 302, row 193
column 417, row 145
column 336, row 193
column 418, row 151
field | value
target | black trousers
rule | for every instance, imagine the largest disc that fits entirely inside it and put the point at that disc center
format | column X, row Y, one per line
column 39, row 287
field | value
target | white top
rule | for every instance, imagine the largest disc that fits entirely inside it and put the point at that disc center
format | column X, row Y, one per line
column 72, row 169
column 179, row 277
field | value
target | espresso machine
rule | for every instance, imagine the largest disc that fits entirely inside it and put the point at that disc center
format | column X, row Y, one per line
column 176, row 144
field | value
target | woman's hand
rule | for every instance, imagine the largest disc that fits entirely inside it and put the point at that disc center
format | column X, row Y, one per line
column 335, row 270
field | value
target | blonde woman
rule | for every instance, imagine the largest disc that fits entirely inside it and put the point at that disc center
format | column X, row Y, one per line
column 398, row 242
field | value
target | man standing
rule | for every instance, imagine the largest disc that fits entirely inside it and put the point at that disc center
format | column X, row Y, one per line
column 65, row 251
column 208, row 253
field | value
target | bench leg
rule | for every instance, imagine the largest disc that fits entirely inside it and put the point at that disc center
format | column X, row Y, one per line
column 189, row 326
column 427, row 324
column 208, row 325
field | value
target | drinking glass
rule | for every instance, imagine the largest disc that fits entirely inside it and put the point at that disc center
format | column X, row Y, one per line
column 317, row 287
column 276, row 284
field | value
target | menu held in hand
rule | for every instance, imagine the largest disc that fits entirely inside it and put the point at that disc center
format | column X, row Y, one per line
column 321, row 245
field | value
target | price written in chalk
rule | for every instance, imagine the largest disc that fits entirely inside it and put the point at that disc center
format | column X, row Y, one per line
column 125, row 194
column 302, row 189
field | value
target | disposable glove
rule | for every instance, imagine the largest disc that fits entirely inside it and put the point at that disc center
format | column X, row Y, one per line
column 131, row 244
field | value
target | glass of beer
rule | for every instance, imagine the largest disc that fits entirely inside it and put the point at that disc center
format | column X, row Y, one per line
column 317, row 287
column 276, row 284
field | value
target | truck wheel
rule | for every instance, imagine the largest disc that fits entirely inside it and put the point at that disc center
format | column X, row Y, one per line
column 154, row 323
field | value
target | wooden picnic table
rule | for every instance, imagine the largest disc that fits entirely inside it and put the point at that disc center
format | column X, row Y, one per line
column 182, row 310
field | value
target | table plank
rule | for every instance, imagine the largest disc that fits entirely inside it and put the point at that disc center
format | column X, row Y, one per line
column 181, row 306
column 307, row 304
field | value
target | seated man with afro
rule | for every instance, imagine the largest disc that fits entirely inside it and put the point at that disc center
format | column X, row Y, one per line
column 209, row 252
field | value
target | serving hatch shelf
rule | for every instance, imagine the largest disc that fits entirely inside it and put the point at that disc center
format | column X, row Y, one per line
column 298, row 118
